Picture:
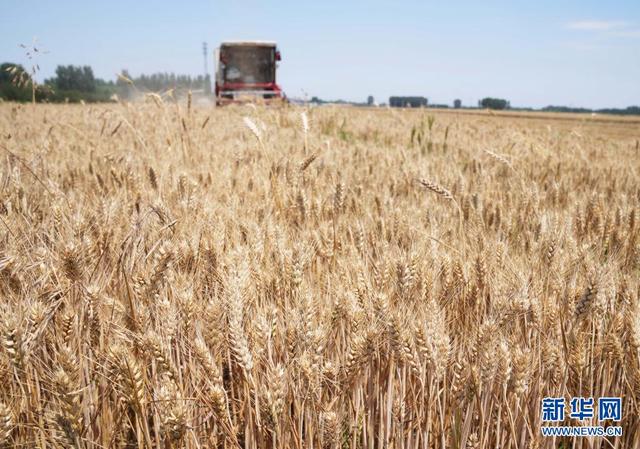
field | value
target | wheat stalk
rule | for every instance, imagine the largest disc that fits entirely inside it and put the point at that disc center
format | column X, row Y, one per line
column 154, row 300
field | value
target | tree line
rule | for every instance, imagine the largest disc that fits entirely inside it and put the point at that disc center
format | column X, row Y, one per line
column 78, row 83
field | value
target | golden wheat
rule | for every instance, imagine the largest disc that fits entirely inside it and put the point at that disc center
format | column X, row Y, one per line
column 174, row 283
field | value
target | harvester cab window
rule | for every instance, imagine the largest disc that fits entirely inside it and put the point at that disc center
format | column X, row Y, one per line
column 249, row 64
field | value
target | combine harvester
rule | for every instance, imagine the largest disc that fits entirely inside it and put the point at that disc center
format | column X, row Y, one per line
column 246, row 73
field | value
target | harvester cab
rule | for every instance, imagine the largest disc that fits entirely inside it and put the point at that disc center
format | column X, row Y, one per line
column 246, row 72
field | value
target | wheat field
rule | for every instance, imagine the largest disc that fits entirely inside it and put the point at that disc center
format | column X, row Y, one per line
column 178, row 276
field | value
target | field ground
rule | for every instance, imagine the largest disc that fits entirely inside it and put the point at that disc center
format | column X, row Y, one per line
column 336, row 278
column 550, row 116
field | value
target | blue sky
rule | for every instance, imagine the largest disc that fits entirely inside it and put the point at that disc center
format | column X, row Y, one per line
column 534, row 53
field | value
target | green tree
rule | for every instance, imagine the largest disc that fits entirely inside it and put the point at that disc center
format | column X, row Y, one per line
column 14, row 82
column 494, row 103
column 74, row 78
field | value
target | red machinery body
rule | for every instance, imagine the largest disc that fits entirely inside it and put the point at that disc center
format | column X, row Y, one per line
column 246, row 72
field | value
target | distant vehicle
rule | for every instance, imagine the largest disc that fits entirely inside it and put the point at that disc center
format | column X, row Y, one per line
column 246, row 72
